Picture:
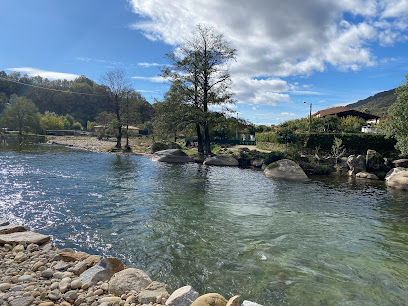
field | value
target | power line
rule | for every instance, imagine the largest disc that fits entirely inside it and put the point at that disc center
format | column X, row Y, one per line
column 52, row 89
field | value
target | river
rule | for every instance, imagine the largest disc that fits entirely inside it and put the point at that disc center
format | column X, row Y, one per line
column 331, row 241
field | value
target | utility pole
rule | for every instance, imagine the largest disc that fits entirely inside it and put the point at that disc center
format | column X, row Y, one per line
column 310, row 117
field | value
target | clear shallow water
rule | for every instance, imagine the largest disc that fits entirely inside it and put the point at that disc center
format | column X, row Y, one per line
column 228, row 230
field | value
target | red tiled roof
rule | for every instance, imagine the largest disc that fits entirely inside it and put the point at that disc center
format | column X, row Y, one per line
column 332, row 111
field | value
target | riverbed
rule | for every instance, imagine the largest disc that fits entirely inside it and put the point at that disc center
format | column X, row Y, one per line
column 226, row 230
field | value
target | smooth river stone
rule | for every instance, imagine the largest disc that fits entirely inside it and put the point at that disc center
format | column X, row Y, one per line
column 24, row 237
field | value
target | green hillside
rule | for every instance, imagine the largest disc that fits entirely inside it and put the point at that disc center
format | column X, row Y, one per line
column 377, row 104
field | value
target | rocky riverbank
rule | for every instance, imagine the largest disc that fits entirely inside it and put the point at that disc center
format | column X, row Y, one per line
column 139, row 146
column 35, row 272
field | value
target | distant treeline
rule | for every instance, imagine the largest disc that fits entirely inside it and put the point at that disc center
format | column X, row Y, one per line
column 81, row 98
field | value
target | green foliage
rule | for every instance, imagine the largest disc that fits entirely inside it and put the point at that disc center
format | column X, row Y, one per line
column 397, row 123
column 90, row 125
column 160, row 146
column 377, row 105
column 77, row 126
column 266, row 137
column 337, row 150
column 51, row 121
column 351, row 124
column 272, row 165
column 21, row 115
column 285, row 134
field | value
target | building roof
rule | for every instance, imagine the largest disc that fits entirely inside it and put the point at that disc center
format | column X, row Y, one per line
column 342, row 111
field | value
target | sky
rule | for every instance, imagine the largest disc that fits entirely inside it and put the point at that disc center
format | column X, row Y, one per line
column 290, row 54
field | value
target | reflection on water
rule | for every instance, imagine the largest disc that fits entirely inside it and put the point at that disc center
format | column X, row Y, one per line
column 233, row 231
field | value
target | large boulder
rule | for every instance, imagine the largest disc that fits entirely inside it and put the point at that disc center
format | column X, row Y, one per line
column 210, row 299
column 24, row 238
column 356, row 164
column 176, row 156
column 374, row 161
column 183, row 296
column 401, row 163
column 221, row 160
column 367, row 175
column 127, row 280
column 103, row 271
column 285, row 169
column 397, row 178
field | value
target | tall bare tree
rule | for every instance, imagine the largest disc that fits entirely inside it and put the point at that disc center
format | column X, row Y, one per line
column 118, row 90
column 201, row 65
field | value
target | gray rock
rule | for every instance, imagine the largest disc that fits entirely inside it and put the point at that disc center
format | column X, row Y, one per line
column 71, row 295
column 257, row 163
column 76, row 284
column 397, row 178
column 61, row 266
column 24, row 238
column 103, row 271
column 285, row 169
column 8, row 229
column 33, row 247
column 401, row 163
column 154, row 292
column 367, row 175
column 249, row 303
column 171, row 156
column 47, row 273
column 5, row 286
column 22, row 301
column 4, row 222
column 127, row 280
column 221, row 160
column 80, row 267
column 356, row 164
column 25, row 278
column 183, row 296
column 110, row 300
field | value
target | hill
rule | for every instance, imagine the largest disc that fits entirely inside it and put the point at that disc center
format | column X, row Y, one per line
column 377, row 104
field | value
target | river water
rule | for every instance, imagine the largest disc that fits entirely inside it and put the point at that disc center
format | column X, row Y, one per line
column 227, row 230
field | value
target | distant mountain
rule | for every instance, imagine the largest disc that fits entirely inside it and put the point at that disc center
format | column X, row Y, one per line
column 377, row 105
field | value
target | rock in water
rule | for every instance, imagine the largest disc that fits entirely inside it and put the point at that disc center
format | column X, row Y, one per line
column 285, row 169
column 24, row 238
column 367, row 175
column 127, row 280
column 183, row 296
column 210, row 299
column 356, row 164
column 221, row 160
column 397, row 178
column 176, row 156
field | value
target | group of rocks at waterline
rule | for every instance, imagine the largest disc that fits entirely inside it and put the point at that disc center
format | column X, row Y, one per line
column 370, row 166
column 35, row 272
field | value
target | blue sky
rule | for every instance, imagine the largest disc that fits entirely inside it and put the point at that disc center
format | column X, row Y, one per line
column 324, row 52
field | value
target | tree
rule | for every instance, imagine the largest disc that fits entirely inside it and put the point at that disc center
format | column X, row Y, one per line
column 397, row 124
column 203, row 70
column 51, row 121
column 21, row 115
column 351, row 124
column 118, row 89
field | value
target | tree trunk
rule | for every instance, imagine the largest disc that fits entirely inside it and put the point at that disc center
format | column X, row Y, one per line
column 199, row 139
column 119, row 136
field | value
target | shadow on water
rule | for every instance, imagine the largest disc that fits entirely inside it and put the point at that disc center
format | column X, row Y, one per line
column 233, row 231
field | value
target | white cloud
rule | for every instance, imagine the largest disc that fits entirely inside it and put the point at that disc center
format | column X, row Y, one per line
column 51, row 75
column 147, row 65
column 156, row 79
column 288, row 114
column 276, row 39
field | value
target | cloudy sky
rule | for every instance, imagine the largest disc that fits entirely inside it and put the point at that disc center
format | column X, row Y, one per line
column 323, row 52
